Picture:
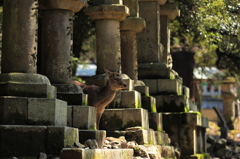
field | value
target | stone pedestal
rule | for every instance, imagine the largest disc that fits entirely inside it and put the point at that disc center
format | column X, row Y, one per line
column 57, row 30
column 108, row 19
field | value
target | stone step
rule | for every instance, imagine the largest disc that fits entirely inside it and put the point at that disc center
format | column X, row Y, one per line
column 74, row 99
column 77, row 153
column 197, row 156
column 82, row 117
column 141, row 87
column 120, row 119
column 164, row 86
column 32, row 111
column 29, row 141
column 126, row 99
column 172, row 103
column 98, row 135
column 147, row 137
column 155, row 121
column 149, row 103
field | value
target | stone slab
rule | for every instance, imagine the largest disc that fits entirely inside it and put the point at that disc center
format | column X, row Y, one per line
column 126, row 99
column 83, row 117
column 140, row 136
column 99, row 2
column 182, row 118
column 149, row 103
column 173, row 103
column 98, row 135
column 74, row 99
column 13, row 110
column 42, row 111
column 120, row 119
column 77, row 153
column 188, row 140
column 169, row 86
column 27, row 90
column 155, row 121
column 135, row 24
column 170, row 9
column 22, row 141
column 60, row 137
column 144, row 90
column 68, row 88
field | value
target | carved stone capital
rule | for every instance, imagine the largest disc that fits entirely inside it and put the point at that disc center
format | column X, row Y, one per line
column 110, row 12
column 170, row 9
column 72, row 5
column 160, row 2
column 133, row 24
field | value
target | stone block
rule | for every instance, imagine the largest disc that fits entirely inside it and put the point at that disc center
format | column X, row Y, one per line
column 173, row 103
column 133, row 6
column 84, row 117
column 42, row 111
column 188, row 140
column 60, row 137
column 73, row 5
column 149, row 103
column 170, row 9
column 27, row 90
column 186, row 91
column 152, row 137
column 108, row 11
column 98, row 135
column 204, row 122
column 191, row 119
column 144, row 90
column 116, row 133
column 140, row 136
column 22, row 141
column 162, row 138
column 169, row 86
column 120, row 119
column 135, row 24
column 152, row 84
column 99, row 2
column 193, row 105
column 13, row 110
column 70, row 116
column 155, row 121
column 155, row 71
column 160, row 2
column 168, row 152
column 126, row 99
column 171, row 119
column 74, row 99
column 78, row 153
column 173, row 132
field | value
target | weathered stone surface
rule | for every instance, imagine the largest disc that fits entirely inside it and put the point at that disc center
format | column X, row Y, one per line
column 68, row 88
column 26, row 85
column 99, row 2
column 168, row 152
column 171, row 119
column 191, row 119
column 60, row 137
column 204, row 122
column 133, row 24
column 126, row 99
column 169, row 86
column 152, row 84
column 162, row 138
column 186, row 91
column 144, row 90
column 173, row 103
column 171, row 10
column 98, row 135
column 74, row 99
column 84, row 117
column 188, row 140
column 133, row 7
column 19, row 54
column 43, row 111
column 77, row 153
column 140, row 136
column 73, row 5
column 149, row 103
column 22, row 141
column 13, row 110
column 116, row 133
column 120, row 119
column 155, row 121
column 70, row 116
column 108, row 11
column 160, row 2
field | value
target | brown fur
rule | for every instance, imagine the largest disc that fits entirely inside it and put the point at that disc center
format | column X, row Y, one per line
column 101, row 97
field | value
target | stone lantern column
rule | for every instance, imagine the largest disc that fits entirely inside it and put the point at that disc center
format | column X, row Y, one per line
column 108, row 17
column 19, row 54
column 129, row 27
column 228, row 95
column 168, row 12
column 57, row 28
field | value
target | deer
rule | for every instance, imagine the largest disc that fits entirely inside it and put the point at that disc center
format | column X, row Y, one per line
column 101, row 97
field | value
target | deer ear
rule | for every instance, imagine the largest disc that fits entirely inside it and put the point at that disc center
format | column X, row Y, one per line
column 108, row 73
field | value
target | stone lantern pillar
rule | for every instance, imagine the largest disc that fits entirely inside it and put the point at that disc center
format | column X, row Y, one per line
column 19, row 54
column 108, row 15
column 57, row 21
column 129, row 27
column 228, row 95
column 168, row 12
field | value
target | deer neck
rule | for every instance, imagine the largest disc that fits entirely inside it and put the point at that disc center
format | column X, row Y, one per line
column 108, row 90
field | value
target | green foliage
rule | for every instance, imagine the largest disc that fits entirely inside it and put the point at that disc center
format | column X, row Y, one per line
column 209, row 25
